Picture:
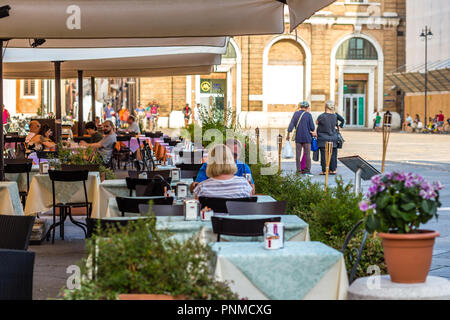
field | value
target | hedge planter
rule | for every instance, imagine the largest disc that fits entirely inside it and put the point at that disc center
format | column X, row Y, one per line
column 408, row 256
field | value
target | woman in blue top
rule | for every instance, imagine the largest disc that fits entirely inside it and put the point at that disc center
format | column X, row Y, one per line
column 243, row 170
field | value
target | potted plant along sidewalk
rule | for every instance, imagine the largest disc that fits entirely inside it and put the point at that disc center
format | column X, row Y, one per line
column 397, row 204
column 138, row 262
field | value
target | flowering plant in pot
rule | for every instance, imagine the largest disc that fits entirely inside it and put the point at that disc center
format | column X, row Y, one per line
column 397, row 204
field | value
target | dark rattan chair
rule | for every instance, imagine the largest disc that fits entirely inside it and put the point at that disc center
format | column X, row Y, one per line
column 65, row 209
column 353, row 255
column 131, row 205
column 46, row 155
column 220, row 204
column 160, row 210
column 20, row 166
column 240, row 227
column 189, row 157
column 124, row 154
column 187, row 174
column 16, row 274
column 242, row 208
column 15, row 232
column 150, row 174
column 189, row 166
column 152, row 187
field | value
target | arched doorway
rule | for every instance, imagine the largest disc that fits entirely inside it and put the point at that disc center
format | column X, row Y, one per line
column 286, row 78
column 358, row 61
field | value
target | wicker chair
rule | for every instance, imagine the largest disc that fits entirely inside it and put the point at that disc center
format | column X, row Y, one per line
column 15, row 232
column 240, row 227
column 16, row 274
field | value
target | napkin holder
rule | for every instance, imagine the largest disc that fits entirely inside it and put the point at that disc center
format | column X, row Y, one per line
column 181, row 190
column 191, row 209
column 175, row 174
column 44, row 167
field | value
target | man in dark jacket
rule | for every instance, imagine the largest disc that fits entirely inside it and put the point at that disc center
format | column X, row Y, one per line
column 302, row 121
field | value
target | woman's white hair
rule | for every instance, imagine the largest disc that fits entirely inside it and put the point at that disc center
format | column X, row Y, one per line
column 330, row 105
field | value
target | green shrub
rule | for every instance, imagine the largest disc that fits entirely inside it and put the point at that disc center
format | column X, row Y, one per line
column 330, row 214
column 139, row 259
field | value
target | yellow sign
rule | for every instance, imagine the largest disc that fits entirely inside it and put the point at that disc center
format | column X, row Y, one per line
column 206, row 86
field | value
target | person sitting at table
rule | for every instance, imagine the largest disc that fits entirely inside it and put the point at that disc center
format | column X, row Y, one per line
column 105, row 147
column 133, row 126
column 222, row 181
column 91, row 130
column 42, row 140
column 35, row 126
column 242, row 168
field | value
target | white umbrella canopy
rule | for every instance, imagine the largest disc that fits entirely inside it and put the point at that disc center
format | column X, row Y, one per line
column 120, row 43
column 46, row 71
column 64, row 19
column 110, row 62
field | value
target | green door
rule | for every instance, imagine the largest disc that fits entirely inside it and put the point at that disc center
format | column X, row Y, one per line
column 361, row 111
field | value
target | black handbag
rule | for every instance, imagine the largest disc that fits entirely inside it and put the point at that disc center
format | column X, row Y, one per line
column 340, row 140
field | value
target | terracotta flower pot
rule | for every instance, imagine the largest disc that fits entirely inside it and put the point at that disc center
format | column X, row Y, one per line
column 408, row 256
column 144, row 296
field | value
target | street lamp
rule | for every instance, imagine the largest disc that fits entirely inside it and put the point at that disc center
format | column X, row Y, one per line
column 424, row 36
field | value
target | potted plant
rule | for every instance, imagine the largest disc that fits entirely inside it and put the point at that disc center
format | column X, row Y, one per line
column 138, row 262
column 397, row 205
column 83, row 159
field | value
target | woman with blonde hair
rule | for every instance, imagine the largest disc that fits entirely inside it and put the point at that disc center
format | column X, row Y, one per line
column 222, row 182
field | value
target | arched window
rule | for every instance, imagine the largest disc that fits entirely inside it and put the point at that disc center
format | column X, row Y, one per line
column 357, row 49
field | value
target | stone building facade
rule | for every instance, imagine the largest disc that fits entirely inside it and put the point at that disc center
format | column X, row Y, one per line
column 341, row 53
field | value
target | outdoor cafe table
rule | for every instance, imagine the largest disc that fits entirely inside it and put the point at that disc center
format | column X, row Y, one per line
column 105, row 205
column 299, row 271
column 39, row 197
column 9, row 199
column 295, row 228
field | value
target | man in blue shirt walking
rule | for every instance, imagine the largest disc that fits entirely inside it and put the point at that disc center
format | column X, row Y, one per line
column 303, row 123
column 242, row 168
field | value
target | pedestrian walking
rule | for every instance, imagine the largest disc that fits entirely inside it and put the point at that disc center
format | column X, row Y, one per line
column 304, row 127
column 327, row 124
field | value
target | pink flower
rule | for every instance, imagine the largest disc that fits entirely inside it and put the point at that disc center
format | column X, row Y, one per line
column 363, row 206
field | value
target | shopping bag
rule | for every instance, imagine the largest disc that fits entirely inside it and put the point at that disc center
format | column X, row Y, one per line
column 314, row 146
column 287, row 152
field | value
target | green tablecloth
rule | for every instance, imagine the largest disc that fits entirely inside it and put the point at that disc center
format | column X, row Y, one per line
column 10, row 199
column 21, row 178
column 286, row 274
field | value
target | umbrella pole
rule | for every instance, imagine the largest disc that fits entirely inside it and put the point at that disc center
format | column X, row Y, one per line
column 80, row 103
column 328, row 153
column 58, row 120
column 93, row 98
column 2, row 145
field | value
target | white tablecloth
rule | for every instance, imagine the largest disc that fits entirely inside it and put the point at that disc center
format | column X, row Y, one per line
column 40, row 195
column 10, row 199
column 106, row 205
